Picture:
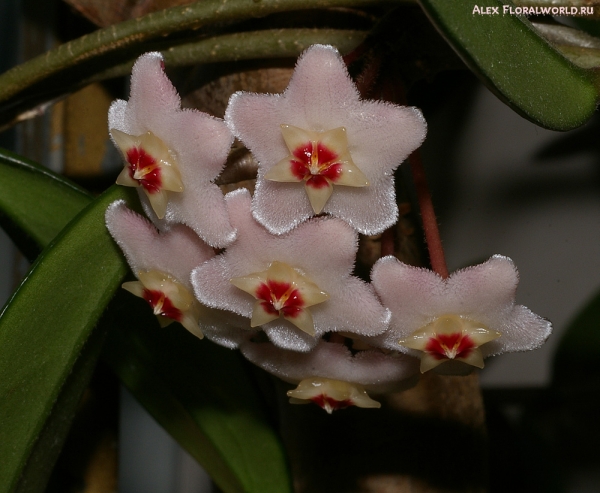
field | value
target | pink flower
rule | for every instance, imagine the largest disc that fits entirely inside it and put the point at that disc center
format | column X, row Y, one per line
column 459, row 320
column 322, row 149
column 163, row 263
column 297, row 286
column 370, row 368
column 172, row 155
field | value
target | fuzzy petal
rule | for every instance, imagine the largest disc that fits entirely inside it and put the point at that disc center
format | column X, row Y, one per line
column 483, row 294
column 199, row 142
column 321, row 97
column 146, row 249
column 374, row 370
column 352, row 305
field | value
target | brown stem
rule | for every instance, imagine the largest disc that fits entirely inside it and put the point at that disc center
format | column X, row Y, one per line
column 430, row 226
column 387, row 242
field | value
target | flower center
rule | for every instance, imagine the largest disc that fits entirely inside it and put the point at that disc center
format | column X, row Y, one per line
column 170, row 300
column 281, row 298
column 150, row 165
column 450, row 346
column 161, row 304
column 319, row 160
column 331, row 395
column 144, row 169
column 282, row 291
column 316, row 164
column 330, row 404
column 450, row 337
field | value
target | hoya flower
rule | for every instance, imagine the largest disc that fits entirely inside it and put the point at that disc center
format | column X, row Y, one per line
column 172, row 155
column 282, row 291
column 371, row 369
column 331, row 395
column 296, row 286
column 321, row 148
column 458, row 321
column 163, row 262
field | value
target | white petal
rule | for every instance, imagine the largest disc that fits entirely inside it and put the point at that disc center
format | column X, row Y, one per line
column 146, row 249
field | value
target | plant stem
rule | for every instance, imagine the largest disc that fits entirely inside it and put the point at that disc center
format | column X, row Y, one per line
column 430, row 226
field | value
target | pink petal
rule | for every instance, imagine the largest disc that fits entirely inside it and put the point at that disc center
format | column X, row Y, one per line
column 352, row 305
column 200, row 142
column 374, row 370
column 146, row 249
column 322, row 97
column 484, row 293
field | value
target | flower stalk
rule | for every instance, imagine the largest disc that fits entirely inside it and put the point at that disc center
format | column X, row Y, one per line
column 437, row 258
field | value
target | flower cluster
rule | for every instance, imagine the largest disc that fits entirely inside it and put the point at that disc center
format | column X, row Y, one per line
column 281, row 288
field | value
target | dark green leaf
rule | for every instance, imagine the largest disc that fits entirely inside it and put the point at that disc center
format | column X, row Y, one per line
column 35, row 203
column 45, row 325
column 203, row 396
column 517, row 64
column 50, row 441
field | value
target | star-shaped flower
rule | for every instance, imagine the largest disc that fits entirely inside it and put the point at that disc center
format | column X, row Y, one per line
column 331, row 395
column 459, row 320
column 282, row 291
column 318, row 257
column 170, row 300
column 321, row 148
column 172, row 155
column 163, row 263
column 319, row 160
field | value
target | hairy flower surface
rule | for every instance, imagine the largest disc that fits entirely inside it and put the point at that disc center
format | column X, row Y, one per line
column 172, row 155
column 464, row 318
column 372, row 369
column 318, row 257
column 163, row 263
column 321, row 148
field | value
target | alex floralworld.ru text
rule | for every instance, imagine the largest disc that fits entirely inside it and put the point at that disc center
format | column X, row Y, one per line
column 510, row 10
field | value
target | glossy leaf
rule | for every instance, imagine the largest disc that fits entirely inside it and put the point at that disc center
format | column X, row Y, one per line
column 49, row 442
column 35, row 203
column 203, row 396
column 45, row 325
column 517, row 64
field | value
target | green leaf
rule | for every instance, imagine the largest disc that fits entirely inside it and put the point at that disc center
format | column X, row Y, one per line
column 51, row 438
column 35, row 203
column 517, row 64
column 203, row 396
column 42, row 78
column 577, row 358
column 45, row 325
